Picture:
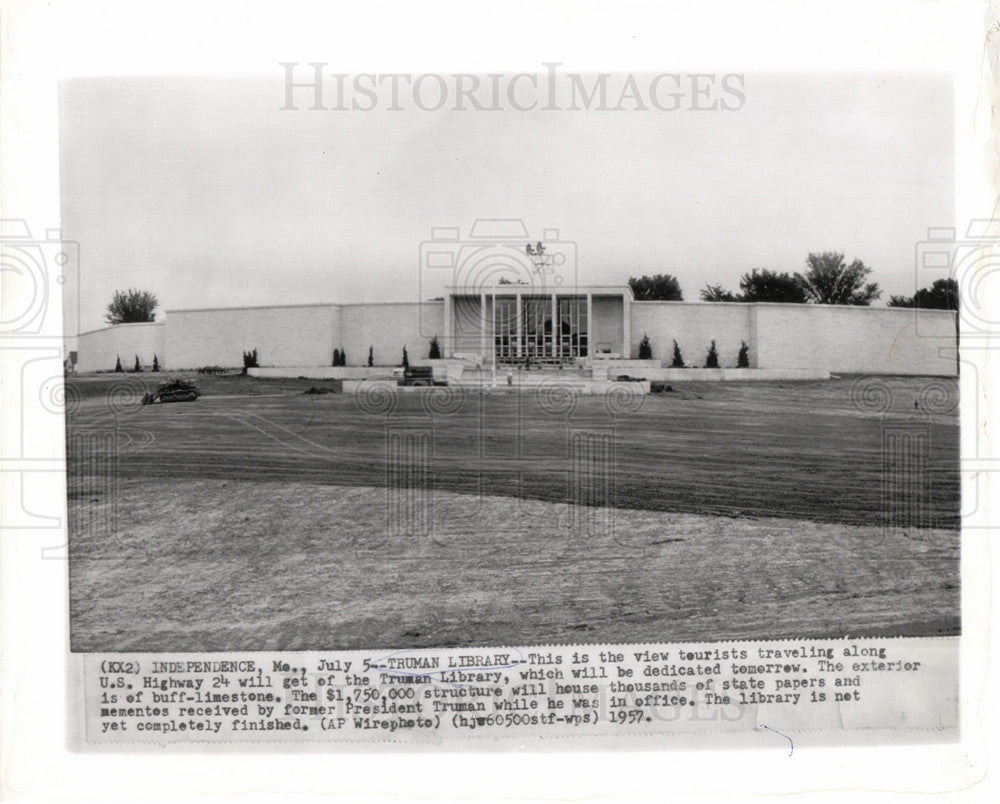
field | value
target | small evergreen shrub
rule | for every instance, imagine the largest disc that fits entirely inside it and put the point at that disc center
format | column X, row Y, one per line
column 343, row 357
column 743, row 361
column 712, row 358
column 336, row 357
column 371, row 356
column 156, row 363
column 406, row 359
column 137, row 368
column 678, row 361
column 435, row 350
column 250, row 360
column 645, row 349
column 118, row 364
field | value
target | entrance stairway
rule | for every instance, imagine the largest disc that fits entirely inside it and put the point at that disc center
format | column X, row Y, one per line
column 519, row 377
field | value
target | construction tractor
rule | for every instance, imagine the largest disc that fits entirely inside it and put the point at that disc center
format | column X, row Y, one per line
column 172, row 391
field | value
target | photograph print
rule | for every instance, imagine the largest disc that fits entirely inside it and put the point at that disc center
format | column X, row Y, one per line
column 462, row 360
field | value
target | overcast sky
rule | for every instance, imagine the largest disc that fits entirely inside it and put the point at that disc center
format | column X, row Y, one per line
column 206, row 193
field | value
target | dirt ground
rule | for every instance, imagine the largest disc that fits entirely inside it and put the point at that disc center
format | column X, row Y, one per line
column 262, row 518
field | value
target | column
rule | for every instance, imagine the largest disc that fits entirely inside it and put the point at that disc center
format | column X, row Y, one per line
column 447, row 346
column 482, row 326
column 626, row 326
column 519, row 320
column 555, row 327
column 590, row 325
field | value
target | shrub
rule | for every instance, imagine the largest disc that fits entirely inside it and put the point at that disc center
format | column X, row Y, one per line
column 645, row 349
column 371, row 355
column 249, row 360
column 406, row 359
column 678, row 361
column 712, row 358
column 336, row 357
column 343, row 357
column 118, row 364
column 435, row 351
column 137, row 368
column 156, row 363
column 743, row 361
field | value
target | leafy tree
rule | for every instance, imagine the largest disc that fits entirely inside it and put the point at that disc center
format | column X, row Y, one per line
column 830, row 280
column 678, row 361
column 659, row 287
column 406, row 359
column 371, row 355
column 131, row 306
column 712, row 358
column 137, row 368
column 435, row 350
column 717, row 293
column 336, row 357
column 743, row 361
column 942, row 295
column 118, row 364
column 156, row 363
column 763, row 285
column 645, row 349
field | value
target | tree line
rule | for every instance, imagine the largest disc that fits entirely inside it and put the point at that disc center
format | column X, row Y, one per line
column 828, row 279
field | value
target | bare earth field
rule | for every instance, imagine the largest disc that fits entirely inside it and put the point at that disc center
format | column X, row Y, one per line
column 261, row 518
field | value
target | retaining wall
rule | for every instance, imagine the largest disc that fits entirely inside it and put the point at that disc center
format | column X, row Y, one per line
column 857, row 340
column 282, row 336
column 694, row 325
column 97, row 350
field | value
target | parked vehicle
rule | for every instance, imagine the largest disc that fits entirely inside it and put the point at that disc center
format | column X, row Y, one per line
column 172, row 391
column 417, row 376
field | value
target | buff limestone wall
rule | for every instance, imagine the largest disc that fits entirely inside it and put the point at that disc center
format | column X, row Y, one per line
column 97, row 350
column 694, row 325
column 850, row 340
column 387, row 328
column 606, row 330
column 303, row 335
column 282, row 336
column 780, row 336
column 857, row 340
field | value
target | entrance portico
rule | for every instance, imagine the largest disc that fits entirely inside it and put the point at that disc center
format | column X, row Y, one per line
column 512, row 323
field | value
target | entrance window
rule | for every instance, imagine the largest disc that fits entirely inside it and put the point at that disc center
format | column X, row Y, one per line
column 542, row 339
column 505, row 329
column 573, row 329
column 537, row 328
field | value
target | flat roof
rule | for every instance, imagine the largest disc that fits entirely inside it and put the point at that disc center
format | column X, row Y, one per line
column 544, row 290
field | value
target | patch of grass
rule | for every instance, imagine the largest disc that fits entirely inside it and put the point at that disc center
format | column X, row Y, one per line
column 796, row 450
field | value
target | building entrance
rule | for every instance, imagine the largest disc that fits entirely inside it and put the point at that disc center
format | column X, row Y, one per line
column 543, row 330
